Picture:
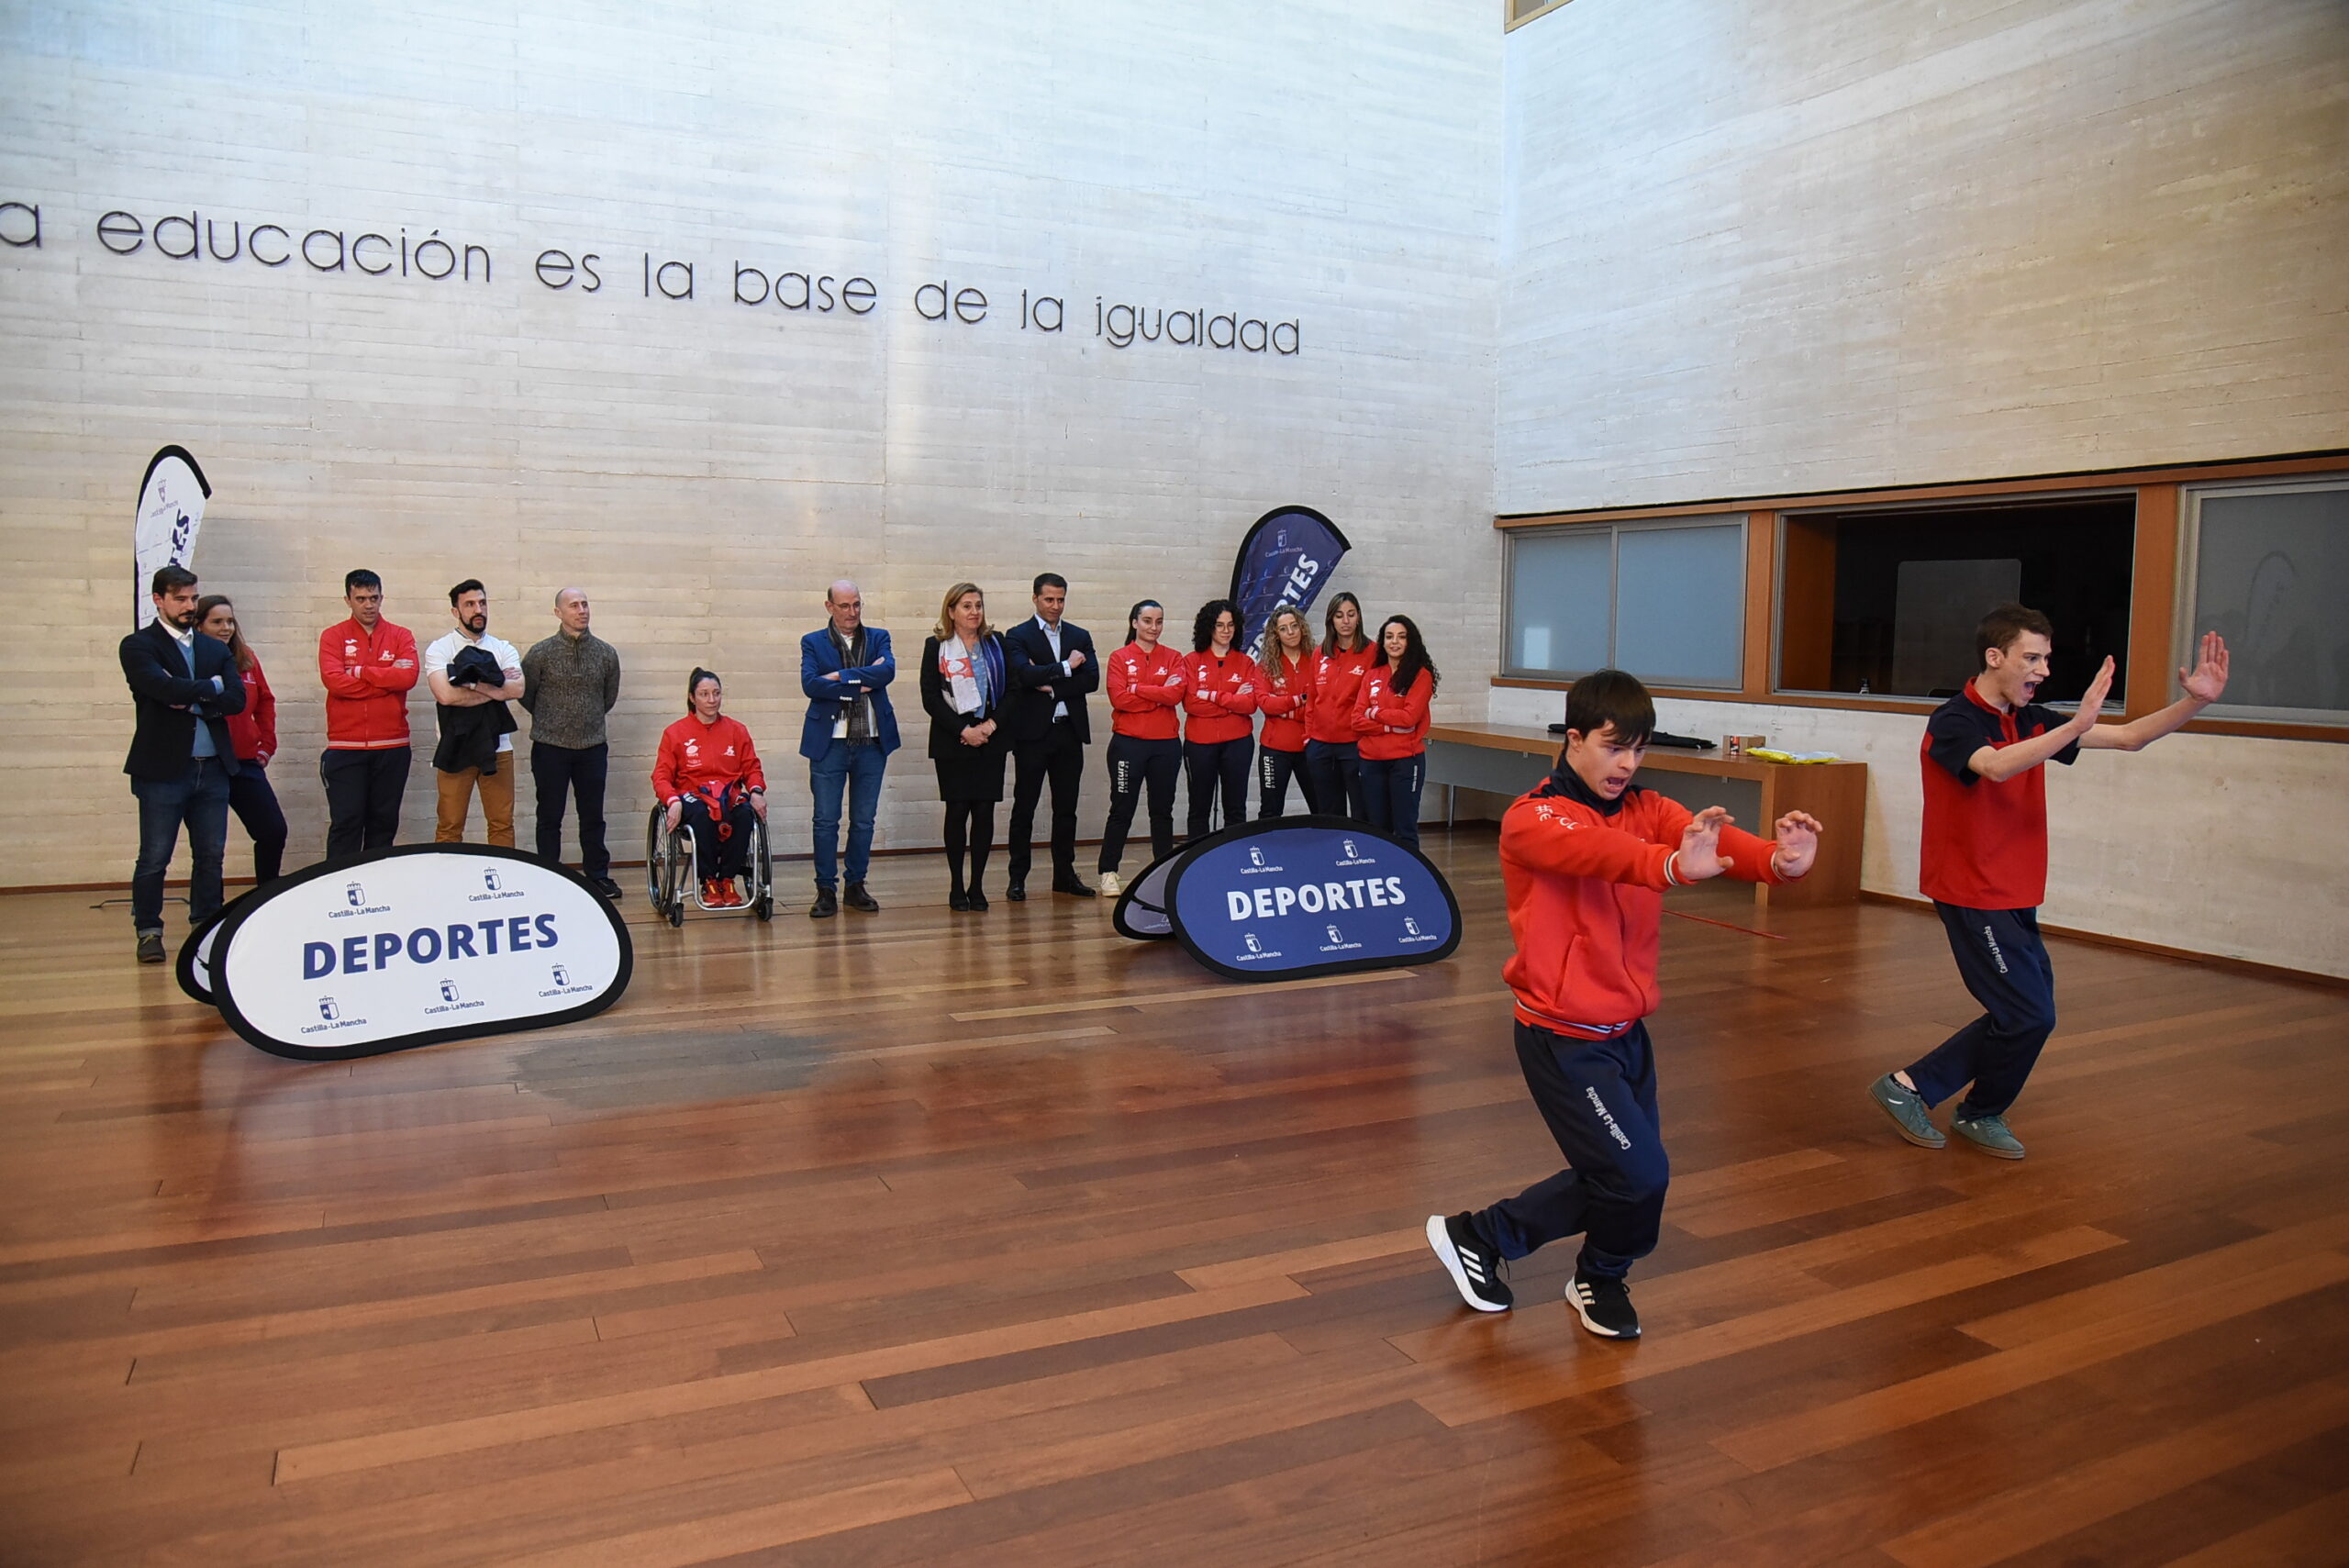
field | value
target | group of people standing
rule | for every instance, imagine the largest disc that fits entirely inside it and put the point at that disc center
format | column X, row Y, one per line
column 1345, row 719
column 207, row 732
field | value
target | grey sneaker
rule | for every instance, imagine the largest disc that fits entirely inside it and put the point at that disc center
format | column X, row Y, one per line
column 1990, row 1134
column 1907, row 1113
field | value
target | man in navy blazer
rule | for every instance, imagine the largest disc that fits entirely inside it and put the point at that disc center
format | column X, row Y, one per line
column 845, row 668
column 182, row 686
column 1049, row 667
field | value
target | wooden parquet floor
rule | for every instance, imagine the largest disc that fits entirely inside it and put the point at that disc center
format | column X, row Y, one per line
column 997, row 1239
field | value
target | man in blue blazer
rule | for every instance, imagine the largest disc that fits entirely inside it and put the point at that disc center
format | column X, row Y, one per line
column 182, row 686
column 845, row 668
column 1049, row 666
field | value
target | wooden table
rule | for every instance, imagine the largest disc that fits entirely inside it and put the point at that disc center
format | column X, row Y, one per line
column 1509, row 760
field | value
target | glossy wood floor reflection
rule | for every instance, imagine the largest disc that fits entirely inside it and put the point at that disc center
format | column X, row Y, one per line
column 998, row 1240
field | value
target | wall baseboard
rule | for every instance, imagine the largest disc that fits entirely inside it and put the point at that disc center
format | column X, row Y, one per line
column 2157, row 949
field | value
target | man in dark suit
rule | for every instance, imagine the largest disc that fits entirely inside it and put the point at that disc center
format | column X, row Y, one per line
column 845, row 668
column 1049, row 667
column 182, row 686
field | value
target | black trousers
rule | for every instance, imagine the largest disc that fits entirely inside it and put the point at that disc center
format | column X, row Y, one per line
column 256, row 807
column 1059, row 758
column 1214, row 765
column 1335, row 768
column 1136, row 764
column 1273, row 770
column 2004, row 964
column 728, row 854
column 364, row 790
column 580, row 771
column 1598, row 1099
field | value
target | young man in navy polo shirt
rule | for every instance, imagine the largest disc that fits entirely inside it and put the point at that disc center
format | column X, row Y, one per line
column 1984, row 864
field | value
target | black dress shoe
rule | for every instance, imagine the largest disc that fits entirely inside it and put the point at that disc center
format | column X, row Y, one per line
column 151, row 948
column 1072, row 888
column 978, row 900
column 856, row 898
column 826, row 905
column 959, row 902
column 1016, row 891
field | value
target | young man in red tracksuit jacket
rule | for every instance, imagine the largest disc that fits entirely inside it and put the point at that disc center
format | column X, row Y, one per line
column 1585, row 859
column 368, row 667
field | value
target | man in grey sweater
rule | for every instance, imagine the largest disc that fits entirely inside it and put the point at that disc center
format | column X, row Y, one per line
column 570, row 682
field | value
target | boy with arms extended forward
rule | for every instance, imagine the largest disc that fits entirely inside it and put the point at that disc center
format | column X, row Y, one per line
column 1585, row 859
column 1984, row 864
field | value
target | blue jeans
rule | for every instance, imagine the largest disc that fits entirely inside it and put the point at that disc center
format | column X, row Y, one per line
column 855, row 769
column 198, row 797
column 1390, row 791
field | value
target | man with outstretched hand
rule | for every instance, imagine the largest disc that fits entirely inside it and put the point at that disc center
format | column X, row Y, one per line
column 1984, row 854
column 1585, row 860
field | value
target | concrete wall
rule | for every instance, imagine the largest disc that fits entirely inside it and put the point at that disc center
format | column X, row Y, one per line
column 1766, row 249
column 1763, row 249
column 703, row 467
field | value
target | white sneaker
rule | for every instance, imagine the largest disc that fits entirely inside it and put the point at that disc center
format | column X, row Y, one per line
column 1112, row 884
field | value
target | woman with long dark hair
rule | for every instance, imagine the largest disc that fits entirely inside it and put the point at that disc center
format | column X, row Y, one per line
column 1218, row 716
column 707, row 775
column 253, row 732
column 1392, row 721
column 1332, row 760
column 962, row 689
column 1145, row 680
column 1290, row 663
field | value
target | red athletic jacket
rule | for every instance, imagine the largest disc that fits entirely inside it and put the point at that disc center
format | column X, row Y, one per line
column 1337, row 684
column 1221, row 702
column 368, row 676
column 1586, row 900
column 254, row 731
column 1288, row 690
column 707, row 760
column 1381, row 710
column 1145, row 691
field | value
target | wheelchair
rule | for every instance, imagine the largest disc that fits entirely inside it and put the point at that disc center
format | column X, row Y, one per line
column 672, row 875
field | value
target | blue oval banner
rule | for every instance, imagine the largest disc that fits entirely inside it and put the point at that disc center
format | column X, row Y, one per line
column 413, row 946
column 1292, row 895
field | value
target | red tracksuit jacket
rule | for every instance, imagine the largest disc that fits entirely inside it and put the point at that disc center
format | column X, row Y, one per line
column 1585, row 901
column 1214, row 707
column 1287, row 694
column 1145, row 691
column 367, row 676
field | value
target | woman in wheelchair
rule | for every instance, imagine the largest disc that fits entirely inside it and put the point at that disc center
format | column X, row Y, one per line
column 708, row 777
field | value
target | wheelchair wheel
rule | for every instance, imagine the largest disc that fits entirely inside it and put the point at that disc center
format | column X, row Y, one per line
column 764, row 907
column 656, row 855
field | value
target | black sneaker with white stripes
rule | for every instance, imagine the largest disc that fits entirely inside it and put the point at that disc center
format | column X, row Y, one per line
column 1605, row 1305
column 1476, row 1268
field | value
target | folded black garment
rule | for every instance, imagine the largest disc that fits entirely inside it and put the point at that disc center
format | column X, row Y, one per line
column 1661, row 738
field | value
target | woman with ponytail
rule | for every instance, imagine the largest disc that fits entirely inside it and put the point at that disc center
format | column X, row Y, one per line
column 1145, row 679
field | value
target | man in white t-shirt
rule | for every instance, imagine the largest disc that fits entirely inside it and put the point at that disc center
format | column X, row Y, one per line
column 473, row 675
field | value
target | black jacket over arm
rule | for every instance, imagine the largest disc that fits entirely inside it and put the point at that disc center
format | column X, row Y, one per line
column 168, row 703
column 1028, row 653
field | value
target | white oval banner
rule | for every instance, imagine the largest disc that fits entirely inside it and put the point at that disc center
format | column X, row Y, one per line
column 415, row 945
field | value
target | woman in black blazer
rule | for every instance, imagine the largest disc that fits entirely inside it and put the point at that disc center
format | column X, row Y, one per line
column 961, row 688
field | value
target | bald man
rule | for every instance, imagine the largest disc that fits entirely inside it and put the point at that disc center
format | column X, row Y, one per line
column 845, row 668
column 568, row 683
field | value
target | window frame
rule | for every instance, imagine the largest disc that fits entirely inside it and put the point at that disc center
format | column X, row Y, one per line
column 1615, row 531
column 2153, row 589
column 2185, row 631
column 1903, row 702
